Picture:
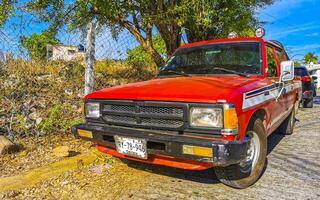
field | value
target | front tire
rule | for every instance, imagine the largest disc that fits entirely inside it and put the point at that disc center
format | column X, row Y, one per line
column 247, row 172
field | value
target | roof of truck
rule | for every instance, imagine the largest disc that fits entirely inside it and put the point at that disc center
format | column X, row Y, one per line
column 272, row 42
column 221, row 40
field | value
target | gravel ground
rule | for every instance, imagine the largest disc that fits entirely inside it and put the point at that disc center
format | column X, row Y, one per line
column 293, row 172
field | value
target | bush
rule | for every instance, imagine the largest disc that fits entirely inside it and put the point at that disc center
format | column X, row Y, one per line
column 40, row 98
column 58, row 120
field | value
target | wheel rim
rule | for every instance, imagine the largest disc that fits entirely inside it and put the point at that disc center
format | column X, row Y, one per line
column 250, row 162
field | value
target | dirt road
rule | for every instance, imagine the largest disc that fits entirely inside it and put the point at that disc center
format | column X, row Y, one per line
column 293, row 172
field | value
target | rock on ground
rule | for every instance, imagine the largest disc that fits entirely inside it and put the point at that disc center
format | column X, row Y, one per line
column 61, row 151
column 6, row 146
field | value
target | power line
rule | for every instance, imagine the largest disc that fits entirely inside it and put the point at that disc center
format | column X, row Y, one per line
column 291, row 26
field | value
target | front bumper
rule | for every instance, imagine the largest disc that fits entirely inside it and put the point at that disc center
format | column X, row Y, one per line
column 167, row 145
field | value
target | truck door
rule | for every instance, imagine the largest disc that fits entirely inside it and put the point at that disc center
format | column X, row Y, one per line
column 276, row 107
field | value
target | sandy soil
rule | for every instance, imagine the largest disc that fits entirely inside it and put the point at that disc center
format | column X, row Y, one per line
column 293, row 172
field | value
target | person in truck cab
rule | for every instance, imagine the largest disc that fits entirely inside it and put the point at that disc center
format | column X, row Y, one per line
column 213, row 105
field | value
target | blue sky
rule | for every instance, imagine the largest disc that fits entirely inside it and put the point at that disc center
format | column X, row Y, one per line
column 295, row 23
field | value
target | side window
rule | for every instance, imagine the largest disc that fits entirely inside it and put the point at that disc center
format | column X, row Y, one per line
column 272, row 63
column 281, row 55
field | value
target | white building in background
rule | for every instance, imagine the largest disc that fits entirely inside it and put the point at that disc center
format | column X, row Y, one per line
column 314, row 70
column 64, row 52
column 2, row 57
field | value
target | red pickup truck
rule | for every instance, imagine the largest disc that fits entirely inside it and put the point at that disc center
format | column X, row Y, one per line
column 213, row 104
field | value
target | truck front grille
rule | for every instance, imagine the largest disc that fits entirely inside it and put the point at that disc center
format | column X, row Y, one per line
column 145, row 114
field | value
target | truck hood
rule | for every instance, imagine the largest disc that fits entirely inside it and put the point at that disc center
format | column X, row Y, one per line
column 198, row 89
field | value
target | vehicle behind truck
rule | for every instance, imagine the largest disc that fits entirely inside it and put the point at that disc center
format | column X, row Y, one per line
column 309, row 88
column 212, row 105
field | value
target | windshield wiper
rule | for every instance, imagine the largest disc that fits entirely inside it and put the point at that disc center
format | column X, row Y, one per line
column 231, row 71
column 178, row 73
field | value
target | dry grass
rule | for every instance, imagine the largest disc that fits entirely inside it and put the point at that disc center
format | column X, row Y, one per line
column 39, row 97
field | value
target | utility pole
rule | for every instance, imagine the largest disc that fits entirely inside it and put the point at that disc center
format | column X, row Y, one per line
column 90, row 56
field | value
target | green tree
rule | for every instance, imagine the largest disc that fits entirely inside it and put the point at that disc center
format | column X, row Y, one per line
column 138, row 57
column 6, row 10
column 216, row 19
column 296, row 63
column 132, row 15
column 310, row 57
column 36, row 44
column 202, row 20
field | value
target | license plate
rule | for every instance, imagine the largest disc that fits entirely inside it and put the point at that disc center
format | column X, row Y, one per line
column 131, row 146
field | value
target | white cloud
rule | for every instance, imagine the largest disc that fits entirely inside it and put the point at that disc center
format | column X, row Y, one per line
column 306, row 28
column 299, row 51
column 281, row 9
column 313, row 34
column 304, row 47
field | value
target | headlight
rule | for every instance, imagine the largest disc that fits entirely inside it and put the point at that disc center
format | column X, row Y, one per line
column 92, row 110
column 206, row 117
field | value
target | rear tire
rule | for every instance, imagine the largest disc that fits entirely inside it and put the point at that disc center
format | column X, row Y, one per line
column 287, row 125
column 308, row 103
column 247, row 172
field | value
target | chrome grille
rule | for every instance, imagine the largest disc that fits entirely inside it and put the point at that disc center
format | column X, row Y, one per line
column 162, row 110
column 145, row 115
column 119, row 108
column 162, row 122
column 117, row 118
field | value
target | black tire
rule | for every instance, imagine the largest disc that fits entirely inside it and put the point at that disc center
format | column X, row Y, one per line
column 239, row 176
column 287, row 125
column 308, row 103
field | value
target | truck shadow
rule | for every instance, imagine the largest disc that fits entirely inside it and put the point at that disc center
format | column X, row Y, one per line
column 204, row 176
column 273, row 140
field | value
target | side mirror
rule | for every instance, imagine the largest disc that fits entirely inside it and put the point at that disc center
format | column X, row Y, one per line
column 286, row 71
column 286, row 74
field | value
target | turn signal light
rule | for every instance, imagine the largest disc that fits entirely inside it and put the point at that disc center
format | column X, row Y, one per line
column 197, row 151
column 230, row 118
column 84, row 133
column 82, row 109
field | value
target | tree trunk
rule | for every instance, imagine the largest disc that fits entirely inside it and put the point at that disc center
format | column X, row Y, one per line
column 156, row 57
column 169, row 30
column 90, row 57
column 171, row 36
column 173, row 44
column 146, row 43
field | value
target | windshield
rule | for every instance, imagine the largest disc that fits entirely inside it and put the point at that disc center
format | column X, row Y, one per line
column 241, row 57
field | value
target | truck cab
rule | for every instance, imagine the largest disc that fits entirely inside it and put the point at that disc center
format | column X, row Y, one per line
column 212, row 105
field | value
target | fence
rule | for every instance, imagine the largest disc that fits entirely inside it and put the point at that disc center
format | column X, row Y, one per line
column 44, row 96
column 94, row 46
